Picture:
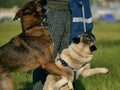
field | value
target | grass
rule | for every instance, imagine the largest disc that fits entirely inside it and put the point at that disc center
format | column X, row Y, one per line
column 107, row 55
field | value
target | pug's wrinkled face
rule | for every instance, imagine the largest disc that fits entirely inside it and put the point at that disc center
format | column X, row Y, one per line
column 86, row 38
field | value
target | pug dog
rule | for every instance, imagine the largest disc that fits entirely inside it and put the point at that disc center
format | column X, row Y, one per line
column 75, row 61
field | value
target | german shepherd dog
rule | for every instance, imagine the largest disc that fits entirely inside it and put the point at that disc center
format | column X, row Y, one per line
column 75, row 61
column 30, row 49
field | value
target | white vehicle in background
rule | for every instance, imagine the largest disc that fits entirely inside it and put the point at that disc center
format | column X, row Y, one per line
column 6, row 14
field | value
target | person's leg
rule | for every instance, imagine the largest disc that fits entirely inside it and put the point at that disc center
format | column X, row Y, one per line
column 58, row 25
column 39, row 77
column 66, row 35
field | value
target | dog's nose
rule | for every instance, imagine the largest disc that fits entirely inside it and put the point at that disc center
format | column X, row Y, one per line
column 93, row 48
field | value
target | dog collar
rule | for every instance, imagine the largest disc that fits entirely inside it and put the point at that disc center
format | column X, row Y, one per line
column 66, row 65
column 84, row 64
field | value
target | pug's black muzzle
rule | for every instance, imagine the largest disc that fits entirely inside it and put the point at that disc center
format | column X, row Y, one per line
column 93, row 48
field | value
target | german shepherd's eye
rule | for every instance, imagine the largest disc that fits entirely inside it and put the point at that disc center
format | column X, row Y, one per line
column 27, row 11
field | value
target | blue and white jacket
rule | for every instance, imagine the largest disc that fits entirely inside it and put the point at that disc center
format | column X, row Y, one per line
column 81, row 17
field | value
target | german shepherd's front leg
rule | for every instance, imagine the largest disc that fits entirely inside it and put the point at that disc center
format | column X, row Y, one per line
column 57, row 85
column 63, row 81
column 54, row 69
column 47, row 63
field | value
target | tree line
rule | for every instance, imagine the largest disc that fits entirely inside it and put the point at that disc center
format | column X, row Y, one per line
column 11, row 3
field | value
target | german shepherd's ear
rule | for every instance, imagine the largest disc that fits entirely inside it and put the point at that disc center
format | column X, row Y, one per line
column 76, row 40
column 18, row 15
column 20, row 11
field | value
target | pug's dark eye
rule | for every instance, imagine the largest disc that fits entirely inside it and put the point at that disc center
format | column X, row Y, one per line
column 87, row 36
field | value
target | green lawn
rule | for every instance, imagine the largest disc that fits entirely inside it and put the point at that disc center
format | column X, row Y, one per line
column 107, row 55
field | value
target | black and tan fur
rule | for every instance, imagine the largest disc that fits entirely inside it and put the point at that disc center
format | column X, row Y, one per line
column 30, row 49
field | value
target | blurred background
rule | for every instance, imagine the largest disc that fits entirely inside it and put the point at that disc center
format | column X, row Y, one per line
column 103, row 10
column 106, row 16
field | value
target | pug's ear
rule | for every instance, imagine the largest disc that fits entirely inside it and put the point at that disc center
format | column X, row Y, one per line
column 76, row 40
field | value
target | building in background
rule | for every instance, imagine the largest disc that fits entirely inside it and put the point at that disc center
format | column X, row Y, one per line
column 6, row 14
column 106, row 10
column 102, row 10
